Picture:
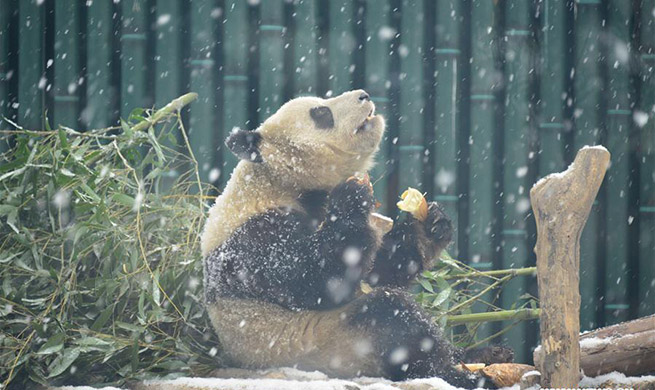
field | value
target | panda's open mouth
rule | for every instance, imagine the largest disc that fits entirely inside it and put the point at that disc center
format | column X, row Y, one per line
column 366, row 124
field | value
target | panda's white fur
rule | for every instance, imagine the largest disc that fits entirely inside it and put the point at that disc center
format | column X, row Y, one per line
column 298, row 156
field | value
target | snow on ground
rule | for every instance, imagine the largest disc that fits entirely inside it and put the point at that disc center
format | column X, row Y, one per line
column 284, row 379
column 86, row 388
column 293, row 379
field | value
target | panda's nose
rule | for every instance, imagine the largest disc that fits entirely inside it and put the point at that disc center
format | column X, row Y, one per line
column 363, row 97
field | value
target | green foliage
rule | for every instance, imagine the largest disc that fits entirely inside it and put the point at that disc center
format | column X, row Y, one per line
column 100, row 265
column 453, row 291
column 99, row 250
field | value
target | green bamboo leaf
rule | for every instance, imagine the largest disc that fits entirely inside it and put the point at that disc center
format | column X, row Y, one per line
column 155, row 144
column 128, row 326
column 136, row 115
column 62, row 139
column 127, row 130
column 54, row 344
column 156, row 293
column 134, row 352
column 13, row 173
column 62, row 362
column 102, row 318
column 90, row 343
column 89, row 191
column 123, row 199
column 442, row 284
column 442, row 297
column 5, row 209
column 141, row 305
column 66, row 172
column 426, row 285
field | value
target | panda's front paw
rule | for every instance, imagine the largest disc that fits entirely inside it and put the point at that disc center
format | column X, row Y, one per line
column 438, row 226
column 352, row 198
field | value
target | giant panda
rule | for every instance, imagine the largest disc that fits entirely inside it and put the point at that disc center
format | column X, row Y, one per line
column 290, row 238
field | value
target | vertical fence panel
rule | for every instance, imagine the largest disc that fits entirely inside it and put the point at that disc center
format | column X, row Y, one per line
column 447, row 54
column 378, row 37
column 553, row 89
column 101, row 94
column 5, row 70
column 342, row 43
column 134, row 64
column 394, row 106
column 483, row 146
column 66, row 63
column 204, row 122
column 587, row 122
column 168, row 54
column 304, row 68
column 4, row 62
column 235, row 54
column 32, row 83
column 617, row 182
column 411, row 148
column 516, row 147
column 481, row 143
column 646, row 114
column 271, row 46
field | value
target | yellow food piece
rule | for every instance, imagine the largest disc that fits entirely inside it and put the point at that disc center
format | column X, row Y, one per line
column 413, row 202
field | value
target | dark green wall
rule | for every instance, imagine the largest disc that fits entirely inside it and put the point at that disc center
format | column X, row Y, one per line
column 482, row 98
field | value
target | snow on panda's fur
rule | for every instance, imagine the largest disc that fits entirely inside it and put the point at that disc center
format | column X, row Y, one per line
column 289, row 240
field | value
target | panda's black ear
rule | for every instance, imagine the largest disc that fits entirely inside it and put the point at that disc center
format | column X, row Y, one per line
column 245, row 145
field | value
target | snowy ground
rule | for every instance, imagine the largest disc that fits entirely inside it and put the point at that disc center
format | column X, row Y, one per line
column 284, row 379
column 292, row 379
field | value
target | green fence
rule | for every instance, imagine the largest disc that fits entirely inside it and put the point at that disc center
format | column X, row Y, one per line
column 482, row 98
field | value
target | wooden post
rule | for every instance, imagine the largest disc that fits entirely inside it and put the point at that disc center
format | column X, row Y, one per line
column 561, row 203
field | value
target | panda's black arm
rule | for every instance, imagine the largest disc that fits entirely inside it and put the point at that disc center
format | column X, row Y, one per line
column 399, row 258
column 285, row 258
column 343, row 246
column 410, row 247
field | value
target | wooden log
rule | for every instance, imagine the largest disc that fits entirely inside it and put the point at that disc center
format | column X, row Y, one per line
column 561, row 203
column 628, row 347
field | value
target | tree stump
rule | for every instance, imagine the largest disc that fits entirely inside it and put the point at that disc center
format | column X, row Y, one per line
column 561, row 203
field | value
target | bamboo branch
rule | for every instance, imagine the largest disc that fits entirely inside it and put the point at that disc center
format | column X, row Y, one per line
column 474, row 298
column 493, row 316
column 172, row 107
column 493, row 273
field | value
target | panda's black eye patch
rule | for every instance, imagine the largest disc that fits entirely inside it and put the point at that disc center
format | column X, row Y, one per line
column 322, row 116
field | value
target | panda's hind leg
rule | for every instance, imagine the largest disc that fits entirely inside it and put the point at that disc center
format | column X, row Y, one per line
column 408, row 343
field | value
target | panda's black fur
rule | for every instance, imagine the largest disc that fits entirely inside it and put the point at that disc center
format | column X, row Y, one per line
column 287, row 257
column 284, row 287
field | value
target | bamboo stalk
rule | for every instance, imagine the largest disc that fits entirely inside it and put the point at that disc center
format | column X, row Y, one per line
column 501, row 315
column 170, row 108
column 497, row 272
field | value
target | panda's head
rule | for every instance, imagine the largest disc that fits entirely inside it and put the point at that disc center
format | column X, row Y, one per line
column 312, row 142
